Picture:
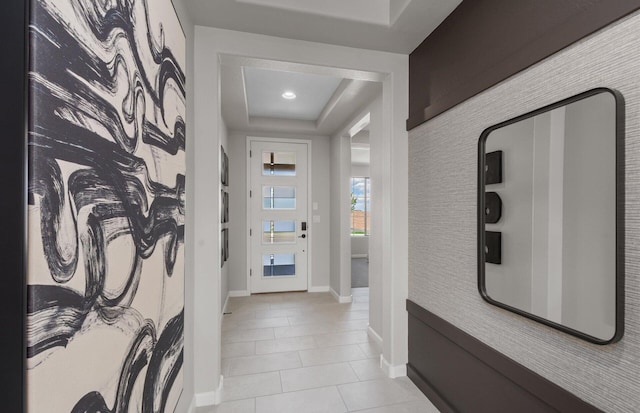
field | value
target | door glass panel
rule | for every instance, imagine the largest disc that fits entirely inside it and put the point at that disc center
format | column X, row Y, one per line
column 277, row 232
column 279, row 163
column 278, row 265
column 279, row 197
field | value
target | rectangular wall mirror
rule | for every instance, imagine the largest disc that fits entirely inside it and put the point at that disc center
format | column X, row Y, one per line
column 550, row 215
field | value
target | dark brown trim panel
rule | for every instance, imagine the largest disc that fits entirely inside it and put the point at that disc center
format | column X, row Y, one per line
column 484, row 42
column 460, row 374
column 13, row 106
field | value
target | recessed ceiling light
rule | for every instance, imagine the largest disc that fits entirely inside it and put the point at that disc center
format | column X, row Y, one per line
column 289, row 95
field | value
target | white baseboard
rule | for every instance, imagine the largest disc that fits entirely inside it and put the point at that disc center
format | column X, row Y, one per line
column 359, row 255
column 340, row 298
column 226, row 303
column 192, row 405
column 206, row 399
column 374, row 336
column 239, row 293
column 224, row 308
column 392, row 371
column 323, row 289
column 210, row 398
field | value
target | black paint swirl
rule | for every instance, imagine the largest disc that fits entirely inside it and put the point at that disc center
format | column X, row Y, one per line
column 103, row 104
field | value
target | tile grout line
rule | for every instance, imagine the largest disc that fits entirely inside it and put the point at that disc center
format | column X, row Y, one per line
column 342, row 398
column 305, row 314
column 354, row 371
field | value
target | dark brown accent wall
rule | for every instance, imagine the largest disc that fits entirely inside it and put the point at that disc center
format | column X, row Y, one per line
column 13, row 73
column 460, row 374
column 483, row 42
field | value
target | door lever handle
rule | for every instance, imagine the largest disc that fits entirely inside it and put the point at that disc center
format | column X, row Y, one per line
column 303, row 236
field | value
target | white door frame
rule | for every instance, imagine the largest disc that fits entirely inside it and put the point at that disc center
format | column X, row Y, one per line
column 209, row 47
column 251, row 139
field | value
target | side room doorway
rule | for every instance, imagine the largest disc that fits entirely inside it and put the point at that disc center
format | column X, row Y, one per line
column 360, row 187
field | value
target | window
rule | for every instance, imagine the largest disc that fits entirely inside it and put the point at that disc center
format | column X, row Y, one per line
column 279, row 163
column 278, row 265
column 279, row 197
column 360, row 206
column 277, row 232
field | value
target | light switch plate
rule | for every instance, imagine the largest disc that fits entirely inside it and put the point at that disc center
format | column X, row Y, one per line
column 316, row 219
column 315, row 206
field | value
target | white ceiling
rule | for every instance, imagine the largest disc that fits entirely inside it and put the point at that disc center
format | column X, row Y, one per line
column 371, row 11
column 265, row 87
column 327, row 98
column 389, row 25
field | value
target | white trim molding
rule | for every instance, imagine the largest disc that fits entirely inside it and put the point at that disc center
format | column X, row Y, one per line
column 374, row 336
column 206, row 399
column 211, row 398
column 224, row 307
column 359, row 255
column 192, row 405
column 391, row 371
column 213, row 44
column 320, row 289
column 239, row 293
column 340, row 298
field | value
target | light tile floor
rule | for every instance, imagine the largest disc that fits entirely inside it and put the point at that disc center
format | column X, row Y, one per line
column 301, row 352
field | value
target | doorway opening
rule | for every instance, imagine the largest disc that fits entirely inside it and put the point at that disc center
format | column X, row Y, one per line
column 218, row 50
column 360, row 202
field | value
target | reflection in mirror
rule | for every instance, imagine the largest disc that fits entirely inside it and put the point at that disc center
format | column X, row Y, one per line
column 548, row 221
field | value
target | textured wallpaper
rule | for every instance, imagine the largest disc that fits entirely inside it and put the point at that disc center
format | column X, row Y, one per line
column 442, row 219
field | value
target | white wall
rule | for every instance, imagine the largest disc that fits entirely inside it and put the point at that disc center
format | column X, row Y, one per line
column 188, row 392
column 378, row 179
column 206, row 223
column 340, row 209
column 359, row 170
column 359, row 246
column 237, row 214
column 238, row 226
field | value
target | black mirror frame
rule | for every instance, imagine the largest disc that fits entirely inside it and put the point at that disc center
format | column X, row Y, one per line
column 620, row 213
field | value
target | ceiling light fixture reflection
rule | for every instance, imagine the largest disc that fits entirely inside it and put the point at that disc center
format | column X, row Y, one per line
column 289, row 95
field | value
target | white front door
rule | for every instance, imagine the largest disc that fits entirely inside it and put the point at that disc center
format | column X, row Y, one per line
column 278, row 205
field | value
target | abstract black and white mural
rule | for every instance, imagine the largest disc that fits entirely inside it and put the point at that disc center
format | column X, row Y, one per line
column 106, row 140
